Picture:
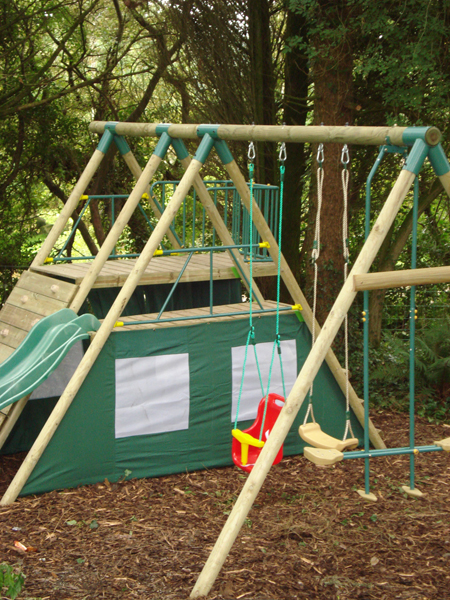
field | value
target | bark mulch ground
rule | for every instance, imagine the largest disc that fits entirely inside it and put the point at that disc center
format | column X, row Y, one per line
column 309, row 535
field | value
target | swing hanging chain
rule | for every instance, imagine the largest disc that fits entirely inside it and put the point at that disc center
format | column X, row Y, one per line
column 345, row 159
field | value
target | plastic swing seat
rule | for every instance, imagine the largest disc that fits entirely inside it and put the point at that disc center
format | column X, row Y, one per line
column 313, row 435
column 246, row 445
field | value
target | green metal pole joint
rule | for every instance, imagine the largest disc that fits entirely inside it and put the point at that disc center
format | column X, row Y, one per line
column 162, row 128
column 438, row 160
column 121, row 144
column 208, row 129
column 163, row 144
column 180, row 149
column 204, row 148
column 418, row 154
column 430, row 135
column 223, row 151
column 105, row 141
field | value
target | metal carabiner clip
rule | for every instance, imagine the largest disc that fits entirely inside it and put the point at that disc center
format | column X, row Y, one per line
column 320, row 154
column 345, row 155
column 282, row 155
column 251, row 151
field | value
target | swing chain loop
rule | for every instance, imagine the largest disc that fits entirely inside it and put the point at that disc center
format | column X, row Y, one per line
column 251, row 151
column 345, row 155
column 320, row 155
column 282, row 155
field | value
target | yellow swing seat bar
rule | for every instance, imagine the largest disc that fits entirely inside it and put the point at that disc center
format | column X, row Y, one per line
column 312, row 434
column 246, row 440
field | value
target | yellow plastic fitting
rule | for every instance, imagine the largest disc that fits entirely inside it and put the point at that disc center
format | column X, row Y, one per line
column 297, row 307
column 145, row 196
column 84, row 197
column 158, row 253
column 264, row 245
column 118, row 324
column 246, row 440
column 48, row 260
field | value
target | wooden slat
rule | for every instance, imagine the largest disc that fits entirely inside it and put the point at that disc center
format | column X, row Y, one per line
column 11, row 335
column 41, row 305
column 5, row 351
column 47, row 286
column 19, row 317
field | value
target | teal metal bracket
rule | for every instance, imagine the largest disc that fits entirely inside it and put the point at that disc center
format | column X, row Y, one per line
column 204, row 148
column 438, row 160
column 163, row 144
column 418, row 154
column 223, row 151
column 121, row 144
column 208, row 129
column 105, row 141
column 429, row 135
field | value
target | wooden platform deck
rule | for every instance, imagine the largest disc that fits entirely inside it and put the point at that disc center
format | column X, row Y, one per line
column 161, row 269
column 179, row 316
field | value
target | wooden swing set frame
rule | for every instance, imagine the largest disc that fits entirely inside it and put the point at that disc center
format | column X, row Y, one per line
column 425, row 142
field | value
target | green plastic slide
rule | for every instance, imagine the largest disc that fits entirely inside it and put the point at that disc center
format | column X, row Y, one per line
column 41, row 352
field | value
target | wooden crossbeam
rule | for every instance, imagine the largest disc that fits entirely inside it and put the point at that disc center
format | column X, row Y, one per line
column 393, row 279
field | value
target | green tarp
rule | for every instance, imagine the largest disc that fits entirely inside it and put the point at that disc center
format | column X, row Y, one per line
column 84, row 448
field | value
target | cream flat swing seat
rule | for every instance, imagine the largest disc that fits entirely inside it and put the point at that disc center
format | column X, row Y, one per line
column 444, row 444
column 312, row 434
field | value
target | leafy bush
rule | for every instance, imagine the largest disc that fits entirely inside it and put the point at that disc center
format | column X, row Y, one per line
column 389, row 371
column 12, row 581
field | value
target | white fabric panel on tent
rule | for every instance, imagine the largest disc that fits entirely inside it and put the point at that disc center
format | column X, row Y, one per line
column 58, row 380
column 251, row 389
column 152, row 394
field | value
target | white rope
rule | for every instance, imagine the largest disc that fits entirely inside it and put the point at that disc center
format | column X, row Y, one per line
column 315, row 256
column 345, row 176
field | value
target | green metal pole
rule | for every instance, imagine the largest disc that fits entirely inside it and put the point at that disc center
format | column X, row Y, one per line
column 366, row 327
column 412, row 335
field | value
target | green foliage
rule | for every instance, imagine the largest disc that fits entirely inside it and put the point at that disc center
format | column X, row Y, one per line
column 389, row 371
column 11, row 580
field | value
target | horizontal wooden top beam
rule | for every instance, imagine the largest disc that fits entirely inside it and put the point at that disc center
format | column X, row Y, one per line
column 394, row 279
column 374, row 136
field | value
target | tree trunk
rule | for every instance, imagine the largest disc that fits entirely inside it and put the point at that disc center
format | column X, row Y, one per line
column 333, row 88
column 263, row 84
column 295, row 113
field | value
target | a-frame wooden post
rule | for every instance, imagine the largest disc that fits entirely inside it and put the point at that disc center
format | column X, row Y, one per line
column 309, row 370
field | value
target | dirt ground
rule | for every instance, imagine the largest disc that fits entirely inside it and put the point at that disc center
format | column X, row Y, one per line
column 309, row 535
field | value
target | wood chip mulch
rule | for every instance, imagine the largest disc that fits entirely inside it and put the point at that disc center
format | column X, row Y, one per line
column 309, row 535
